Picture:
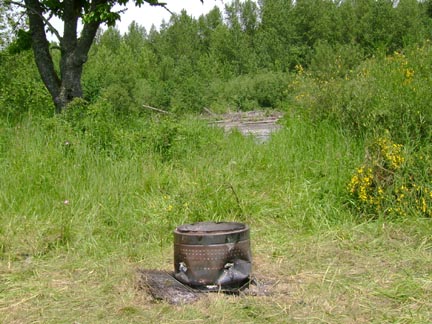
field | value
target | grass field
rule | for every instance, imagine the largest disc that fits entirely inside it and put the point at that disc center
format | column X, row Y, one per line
column 79, row 216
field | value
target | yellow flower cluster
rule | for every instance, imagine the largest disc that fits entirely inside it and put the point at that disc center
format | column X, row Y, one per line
column 171, row 205
column 372, row 183
column 414, row 199
column 402, row 60
column 423, row 199
column 300, row 96
column 299, row 69
column 401, row 194
column 391, row 152
column 363, row 187
column 381, row 185
column 409, row 74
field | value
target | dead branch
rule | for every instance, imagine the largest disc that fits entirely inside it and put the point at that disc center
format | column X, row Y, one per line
column 157, row 109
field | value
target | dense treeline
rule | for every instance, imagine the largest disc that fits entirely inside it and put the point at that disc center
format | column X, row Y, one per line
column 242, row 58
column 239, row 58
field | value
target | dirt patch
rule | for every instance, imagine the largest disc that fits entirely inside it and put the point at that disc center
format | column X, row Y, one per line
column 162, row 285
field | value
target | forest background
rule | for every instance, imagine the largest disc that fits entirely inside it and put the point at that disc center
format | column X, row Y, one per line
column 339, row 200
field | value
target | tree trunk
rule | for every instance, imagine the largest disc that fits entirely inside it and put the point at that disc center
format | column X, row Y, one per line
column 70, row 86
column 41, row 50
column 74, row 50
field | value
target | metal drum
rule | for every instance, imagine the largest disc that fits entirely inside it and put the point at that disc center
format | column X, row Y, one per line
column 212, row 255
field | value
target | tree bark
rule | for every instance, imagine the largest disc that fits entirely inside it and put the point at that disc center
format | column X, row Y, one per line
column 66, row 85
column 74, row 50
column 40, row 47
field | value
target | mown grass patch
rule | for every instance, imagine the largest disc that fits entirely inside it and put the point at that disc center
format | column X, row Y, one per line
column 350, row 274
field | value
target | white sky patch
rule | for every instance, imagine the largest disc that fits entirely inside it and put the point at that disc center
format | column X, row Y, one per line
column 147, row 15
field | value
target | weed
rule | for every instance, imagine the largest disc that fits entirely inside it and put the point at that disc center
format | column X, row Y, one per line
column 391, row 181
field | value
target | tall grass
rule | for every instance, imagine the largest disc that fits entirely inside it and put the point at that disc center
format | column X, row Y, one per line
column 60, row 191
column 79, row 215
column 87, row 197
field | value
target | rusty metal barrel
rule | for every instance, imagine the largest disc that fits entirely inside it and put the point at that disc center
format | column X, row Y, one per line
column 212, row 254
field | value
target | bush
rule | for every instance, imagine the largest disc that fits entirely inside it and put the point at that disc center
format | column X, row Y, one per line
column 392, row 181
column 102, row 127
column 153, row 93
column 21, row 89
column 335, row 61
column 104, row 130
column 384, row 93
column 172, row 138
column 263, row 90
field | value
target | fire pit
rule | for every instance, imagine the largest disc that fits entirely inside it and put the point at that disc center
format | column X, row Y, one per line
column 212, row 256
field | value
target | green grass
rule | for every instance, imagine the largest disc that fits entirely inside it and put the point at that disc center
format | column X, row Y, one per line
column 76, row 221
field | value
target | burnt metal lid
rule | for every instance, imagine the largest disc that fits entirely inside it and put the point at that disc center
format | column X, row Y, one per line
column 205, row 233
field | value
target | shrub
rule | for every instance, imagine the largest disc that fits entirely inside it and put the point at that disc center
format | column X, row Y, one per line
column 384, row 93
column 392, row 181
column 172, row 138
column 335, row 61
column 263, row 90
column 101, row 126
column 21, row 89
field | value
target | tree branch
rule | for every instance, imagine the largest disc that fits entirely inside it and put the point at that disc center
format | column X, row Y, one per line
column 70, row 21
column 164, row 5
column 88, row 33
column 156, row 3
column 45, row 20
column 86, row 40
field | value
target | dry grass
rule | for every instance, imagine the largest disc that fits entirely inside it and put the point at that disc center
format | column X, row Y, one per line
column 359, row 274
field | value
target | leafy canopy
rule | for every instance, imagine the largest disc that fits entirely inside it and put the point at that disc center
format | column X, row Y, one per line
column 66, row 85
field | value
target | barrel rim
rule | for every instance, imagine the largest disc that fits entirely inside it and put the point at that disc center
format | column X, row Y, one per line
column 211, row 228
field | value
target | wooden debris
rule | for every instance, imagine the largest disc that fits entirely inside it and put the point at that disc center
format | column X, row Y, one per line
column 256, row 123
column 157, row 109
column 207, row 110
